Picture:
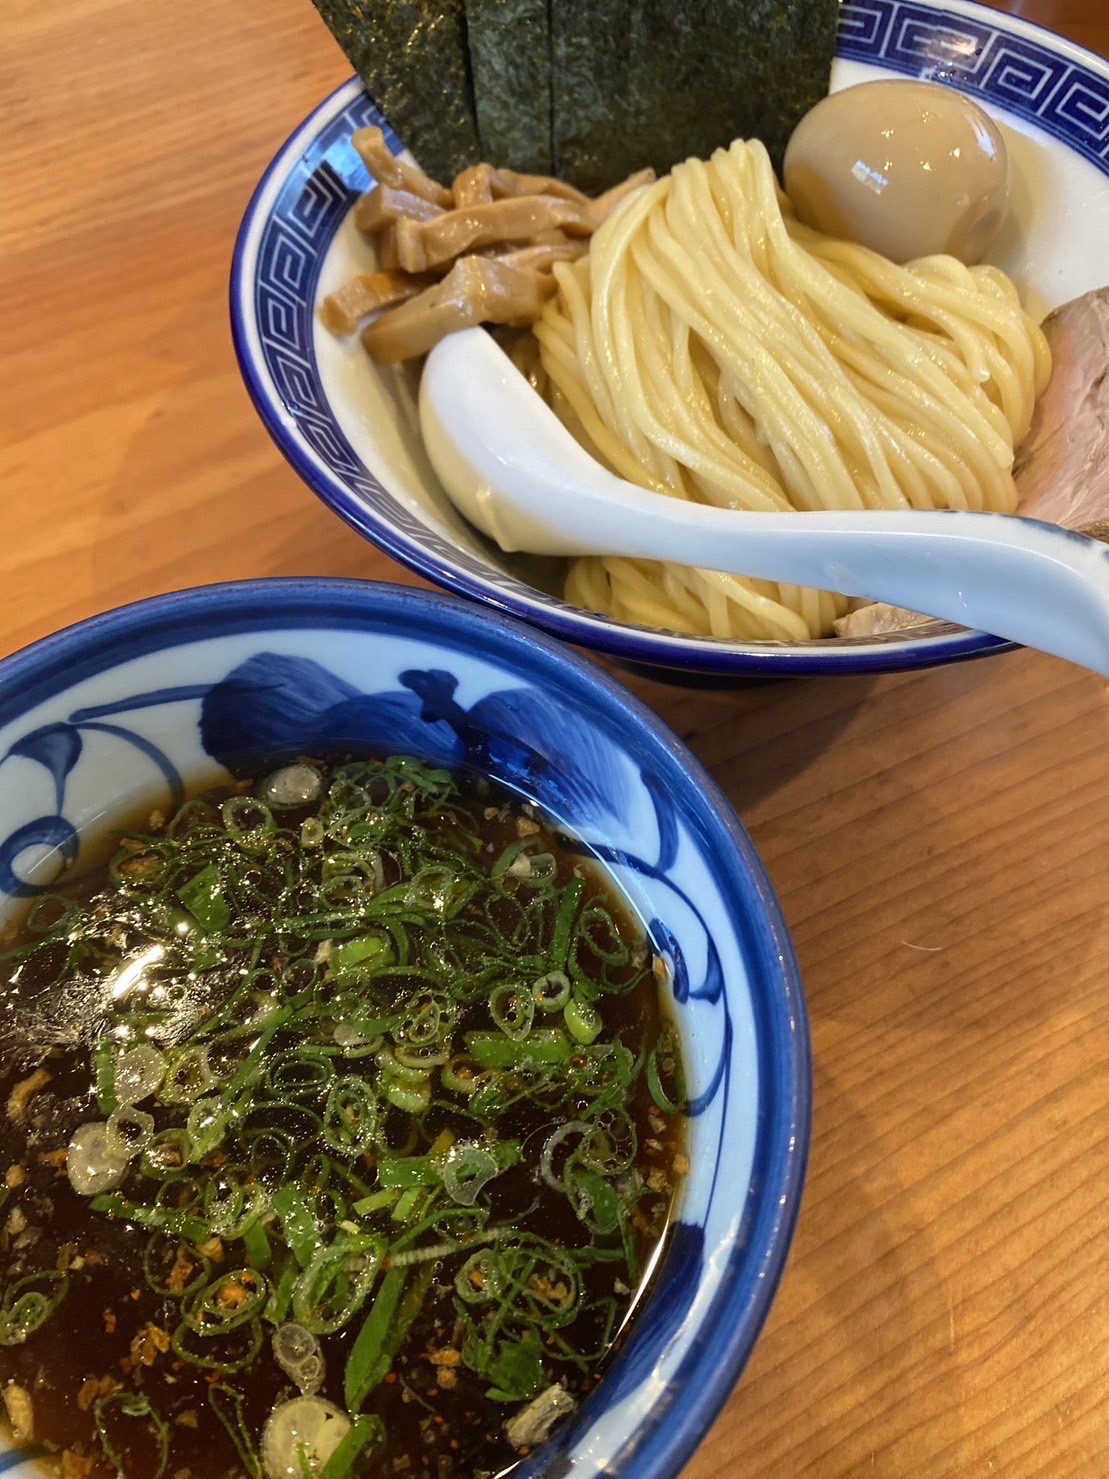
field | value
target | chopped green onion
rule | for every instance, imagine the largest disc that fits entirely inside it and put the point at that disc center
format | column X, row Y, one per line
column 227, row 1404
column 257, row 1244
column 552, row 991
column 494, row 1050
column 463, row 1075
column 375, row 1202
column 513, row 1010
column 407, row 1171
column 331, row 994
column 398, row 1302
column 231, row 1299
column 29, row 1302
column 369, row 949
column 414, row 1098
column 203, row 897
column 583, row 1022
column 366, row 1432
column 664, row 1076
column 595, row 1201
column 466, row 1171
column 103, row 1062
column 335, row 1284
column 133, row 1406
column 297, row 1222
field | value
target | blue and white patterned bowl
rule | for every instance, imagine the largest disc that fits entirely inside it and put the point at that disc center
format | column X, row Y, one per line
column 350, row 430
column 141, row 704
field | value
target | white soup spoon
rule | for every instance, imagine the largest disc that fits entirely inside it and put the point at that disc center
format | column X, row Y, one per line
column 514, row 470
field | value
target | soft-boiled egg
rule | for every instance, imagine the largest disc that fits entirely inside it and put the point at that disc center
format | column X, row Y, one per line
column 907, row 168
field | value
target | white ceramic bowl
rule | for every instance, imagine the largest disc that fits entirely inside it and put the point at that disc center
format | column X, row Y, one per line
column 143, row 703
column 351, row 431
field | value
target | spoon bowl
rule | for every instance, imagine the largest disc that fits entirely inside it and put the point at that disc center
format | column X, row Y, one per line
column 514, row 471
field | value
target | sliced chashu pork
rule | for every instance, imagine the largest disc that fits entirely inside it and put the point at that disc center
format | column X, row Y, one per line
column 1062, row 467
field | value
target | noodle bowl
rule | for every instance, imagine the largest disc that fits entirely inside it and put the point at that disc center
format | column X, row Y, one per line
column 712, row 348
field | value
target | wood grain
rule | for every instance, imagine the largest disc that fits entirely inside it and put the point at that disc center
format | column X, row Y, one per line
column 939, row 841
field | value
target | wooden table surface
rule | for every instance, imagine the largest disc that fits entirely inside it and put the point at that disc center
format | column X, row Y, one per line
column 939, row 841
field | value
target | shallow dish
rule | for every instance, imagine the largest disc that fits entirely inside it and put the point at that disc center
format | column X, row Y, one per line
column 148, row 700
column 350, row 430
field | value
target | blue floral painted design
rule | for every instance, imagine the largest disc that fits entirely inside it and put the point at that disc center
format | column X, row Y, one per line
column 274, row 704
column 271, row 704
column 550, row 726
column 58, row 748
column 17, row 1456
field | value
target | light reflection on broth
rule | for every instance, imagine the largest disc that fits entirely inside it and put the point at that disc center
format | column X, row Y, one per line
column 342, row 1125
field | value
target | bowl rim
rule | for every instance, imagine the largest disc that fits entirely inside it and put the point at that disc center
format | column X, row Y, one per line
column 638, row 645
column 731, row 1323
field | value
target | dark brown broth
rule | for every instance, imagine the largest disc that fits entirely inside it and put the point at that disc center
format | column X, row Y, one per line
column 438, row 1422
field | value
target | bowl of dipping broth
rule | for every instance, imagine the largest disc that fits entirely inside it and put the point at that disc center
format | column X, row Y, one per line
column 399, row 1025
column 350, row 425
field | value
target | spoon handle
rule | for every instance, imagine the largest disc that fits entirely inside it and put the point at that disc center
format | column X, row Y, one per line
column 514, row 469
column 1021, row 579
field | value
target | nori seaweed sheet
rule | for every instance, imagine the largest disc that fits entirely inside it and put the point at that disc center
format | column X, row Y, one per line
column 510, row 62
column 638, row 82
column 413, row 58
column 589, row 90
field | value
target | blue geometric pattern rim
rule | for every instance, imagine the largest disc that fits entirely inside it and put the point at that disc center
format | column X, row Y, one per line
column 964, row 47
column 292, row 219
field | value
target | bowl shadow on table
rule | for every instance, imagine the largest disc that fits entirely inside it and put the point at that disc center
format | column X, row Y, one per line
column 911, row 1040
column 895, row 816
column 775, row 728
